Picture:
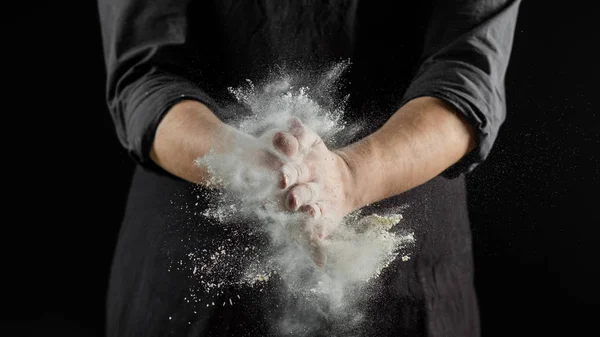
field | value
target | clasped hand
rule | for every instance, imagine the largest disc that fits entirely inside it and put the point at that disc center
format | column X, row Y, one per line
column 313, row 180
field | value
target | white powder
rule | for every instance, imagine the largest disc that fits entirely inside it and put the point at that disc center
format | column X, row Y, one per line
column 357, row 252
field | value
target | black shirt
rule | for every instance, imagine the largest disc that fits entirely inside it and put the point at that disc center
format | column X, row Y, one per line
column 160, row 52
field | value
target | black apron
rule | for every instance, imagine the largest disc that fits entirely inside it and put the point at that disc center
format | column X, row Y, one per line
column 151, row 291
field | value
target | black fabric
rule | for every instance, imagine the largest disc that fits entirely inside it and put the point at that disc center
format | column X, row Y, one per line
column 153, row 51
column 159, row 52
column 151, row 282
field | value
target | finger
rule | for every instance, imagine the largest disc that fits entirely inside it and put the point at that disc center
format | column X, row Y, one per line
column 315, row 246
column 318, row 253
column 319, row 230
column 312, row 210
column 293, row 173
column 302, row 194
column 269, row 160
column 325, row 224
column 285, row 143
column 306, row 137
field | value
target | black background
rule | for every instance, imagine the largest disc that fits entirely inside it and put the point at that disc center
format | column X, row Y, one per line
column 533, row 202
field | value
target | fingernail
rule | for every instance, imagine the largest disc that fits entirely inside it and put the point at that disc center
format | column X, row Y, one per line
column 278, row 137
column 309, row 210
column 292, row 202
column 294, row 123
column 283, row 181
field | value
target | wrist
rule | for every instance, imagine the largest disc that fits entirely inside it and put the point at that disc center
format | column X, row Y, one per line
column 348, row 181
column 353, row 157
column 186, row 132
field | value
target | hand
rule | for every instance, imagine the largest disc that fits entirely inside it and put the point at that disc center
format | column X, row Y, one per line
column 189, row 132
column 316, row 181
column 243, row 163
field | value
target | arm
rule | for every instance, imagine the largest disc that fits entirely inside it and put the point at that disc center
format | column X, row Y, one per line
column 451, row 114
column 455, row 105
column 449, row 119
column 188, row 131
column 147, row 50
column 418, row 142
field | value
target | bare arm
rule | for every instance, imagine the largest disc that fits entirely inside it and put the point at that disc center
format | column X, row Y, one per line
column 467, row 50
column 421, row 140
column 186, row 132
column 417, row 143
column 190, row 130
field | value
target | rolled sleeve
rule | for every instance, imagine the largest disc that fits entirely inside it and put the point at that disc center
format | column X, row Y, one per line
column 142, row 106
column 147, row 54
column 467, row 51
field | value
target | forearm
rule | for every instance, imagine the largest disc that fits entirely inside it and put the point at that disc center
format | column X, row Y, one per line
column 189, row 130
column 417, row 143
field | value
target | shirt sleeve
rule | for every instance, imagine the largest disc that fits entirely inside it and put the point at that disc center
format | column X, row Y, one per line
column 147, row 51
column 466, row 55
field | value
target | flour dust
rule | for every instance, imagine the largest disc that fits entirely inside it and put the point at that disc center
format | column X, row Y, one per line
column 262, row 245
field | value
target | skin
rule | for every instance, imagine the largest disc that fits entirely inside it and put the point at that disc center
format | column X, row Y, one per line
column 189, row 130
column 416, row 144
